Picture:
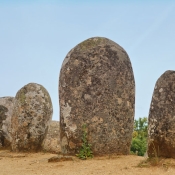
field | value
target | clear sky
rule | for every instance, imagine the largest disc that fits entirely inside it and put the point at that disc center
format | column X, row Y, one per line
column 35, row 37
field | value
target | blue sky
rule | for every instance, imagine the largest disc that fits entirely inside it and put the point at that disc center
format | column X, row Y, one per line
column 35, row 37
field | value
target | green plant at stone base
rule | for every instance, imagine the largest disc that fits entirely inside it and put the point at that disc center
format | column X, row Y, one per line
column 85, row 150
column 139, row 139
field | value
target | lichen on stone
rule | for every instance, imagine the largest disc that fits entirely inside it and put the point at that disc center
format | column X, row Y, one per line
column 51, row 142
column 6, row 110
column 92, row 42
column 161, row 121
column 97, row 87
column 21, row 96
column 31, row 117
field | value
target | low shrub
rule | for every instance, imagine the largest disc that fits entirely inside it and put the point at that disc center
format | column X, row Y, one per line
column 85, row 150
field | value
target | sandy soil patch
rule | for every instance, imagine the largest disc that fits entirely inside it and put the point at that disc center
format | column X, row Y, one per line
column 37, row 164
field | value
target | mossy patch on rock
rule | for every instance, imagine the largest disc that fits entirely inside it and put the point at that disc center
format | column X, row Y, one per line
column 21, row 96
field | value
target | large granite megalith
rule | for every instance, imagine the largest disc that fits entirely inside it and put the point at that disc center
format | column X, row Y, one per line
column 97, row 88
column 161, row 122
column 31, row 117
column 6, row 109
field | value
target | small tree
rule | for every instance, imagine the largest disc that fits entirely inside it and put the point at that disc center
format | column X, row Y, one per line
column 139, row 139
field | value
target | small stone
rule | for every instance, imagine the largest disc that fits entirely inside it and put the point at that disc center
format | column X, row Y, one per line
column 60, row 159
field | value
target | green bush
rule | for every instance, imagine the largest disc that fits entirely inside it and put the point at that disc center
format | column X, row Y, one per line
column 85, row 150
column 139, row 139
column 138, row 146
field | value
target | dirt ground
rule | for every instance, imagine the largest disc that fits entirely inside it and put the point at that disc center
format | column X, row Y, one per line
column 37, row 164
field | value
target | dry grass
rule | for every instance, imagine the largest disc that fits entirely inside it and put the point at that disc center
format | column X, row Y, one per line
column 157, row 162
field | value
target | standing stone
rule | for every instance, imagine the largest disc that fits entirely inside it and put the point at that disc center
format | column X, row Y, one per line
column 161, row 123
column 31, row 116
column 52, row 141
column 6, row 109
column 97, row 88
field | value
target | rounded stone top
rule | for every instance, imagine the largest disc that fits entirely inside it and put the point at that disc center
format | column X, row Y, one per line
column 163, row 84
column 94, row 42
column 32, row 90
column 167, row 75
column 8, row 98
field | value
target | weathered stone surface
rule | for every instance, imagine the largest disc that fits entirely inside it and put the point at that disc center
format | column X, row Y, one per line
column 52, row 141
column 31, row 117
column 161, row 123
column 6, row 109
column 97, row 88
